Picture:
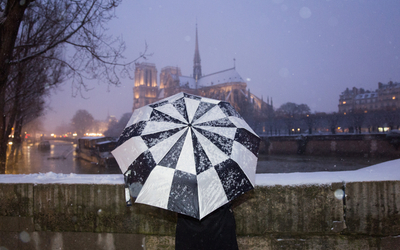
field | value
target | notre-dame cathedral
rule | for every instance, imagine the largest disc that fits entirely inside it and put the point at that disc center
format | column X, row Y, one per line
column 226, row 85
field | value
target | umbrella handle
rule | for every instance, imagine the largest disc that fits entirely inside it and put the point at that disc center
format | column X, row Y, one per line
column 127, row 192
column 128, row 197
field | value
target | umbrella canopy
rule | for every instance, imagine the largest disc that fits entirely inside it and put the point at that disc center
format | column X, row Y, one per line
column 187, row 154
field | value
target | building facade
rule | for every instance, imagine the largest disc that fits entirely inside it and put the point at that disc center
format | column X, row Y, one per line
column 226, row 85
column 386, row 97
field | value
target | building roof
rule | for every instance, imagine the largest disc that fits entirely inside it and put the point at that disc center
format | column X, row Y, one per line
column 389, row 85
column 221, row 77
column 367, row 95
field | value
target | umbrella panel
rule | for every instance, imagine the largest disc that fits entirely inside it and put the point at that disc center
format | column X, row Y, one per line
column 140, row 170
column 170, row 160
column 183, row 197
column 247, row 139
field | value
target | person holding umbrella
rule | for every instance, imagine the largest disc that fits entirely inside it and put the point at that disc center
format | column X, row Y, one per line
column 191, row 155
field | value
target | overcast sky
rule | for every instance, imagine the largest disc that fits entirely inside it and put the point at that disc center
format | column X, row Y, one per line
column 291, row 51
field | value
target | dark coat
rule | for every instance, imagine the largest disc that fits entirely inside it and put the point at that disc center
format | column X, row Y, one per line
column 215, row 231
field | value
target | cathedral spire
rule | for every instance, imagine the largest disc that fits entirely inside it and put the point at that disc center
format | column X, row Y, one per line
column 196, row 61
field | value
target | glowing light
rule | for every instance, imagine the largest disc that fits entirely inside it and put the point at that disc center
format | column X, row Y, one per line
column 94, row 134
column 383, row 129
column 344, row 102
column 393, row 98
column 339, row 194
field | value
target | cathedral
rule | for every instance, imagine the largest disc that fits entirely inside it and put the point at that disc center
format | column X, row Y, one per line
column 226, row 85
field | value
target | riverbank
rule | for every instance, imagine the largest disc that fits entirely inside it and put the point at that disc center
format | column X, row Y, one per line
column 314, row 163
column 361, row 145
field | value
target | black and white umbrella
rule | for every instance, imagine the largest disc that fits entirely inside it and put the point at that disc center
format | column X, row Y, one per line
column 187, row 154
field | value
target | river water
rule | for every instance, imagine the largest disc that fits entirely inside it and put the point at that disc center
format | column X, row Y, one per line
column 33, row 160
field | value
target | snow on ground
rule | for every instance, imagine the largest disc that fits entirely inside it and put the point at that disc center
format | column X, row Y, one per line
column 386, row 171
column 51, row 178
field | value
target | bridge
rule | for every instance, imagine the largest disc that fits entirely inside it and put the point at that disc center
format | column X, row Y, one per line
column 69, row 139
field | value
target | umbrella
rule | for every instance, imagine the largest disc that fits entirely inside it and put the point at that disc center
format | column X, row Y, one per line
column 187, row 154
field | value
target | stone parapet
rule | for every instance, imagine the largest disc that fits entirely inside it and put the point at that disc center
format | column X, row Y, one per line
column 94, row 216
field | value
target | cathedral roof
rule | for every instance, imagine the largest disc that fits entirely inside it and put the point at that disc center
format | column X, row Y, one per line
column 187, row 81
column 221, row 77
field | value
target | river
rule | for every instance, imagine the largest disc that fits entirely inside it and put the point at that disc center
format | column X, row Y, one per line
column 33, row 160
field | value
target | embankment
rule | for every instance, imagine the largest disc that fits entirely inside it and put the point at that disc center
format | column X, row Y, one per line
column 371, row 145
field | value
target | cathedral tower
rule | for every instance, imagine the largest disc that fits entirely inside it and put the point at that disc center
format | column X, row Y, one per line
column 197, row 61
column 145, row 90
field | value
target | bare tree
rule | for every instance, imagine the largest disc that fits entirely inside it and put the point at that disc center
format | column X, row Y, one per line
column 293, row 109
column 310, row 120
column 69, row 32
column 333, row 120
column 290, row 111
column 29, row 83
column 11, row 14
column 115, row 128
column 82, row 122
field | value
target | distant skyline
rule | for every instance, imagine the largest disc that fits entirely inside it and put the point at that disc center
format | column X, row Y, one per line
column 291, row 51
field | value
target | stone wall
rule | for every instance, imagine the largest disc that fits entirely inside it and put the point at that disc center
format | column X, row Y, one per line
column 85, row 216
column 358, row 144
